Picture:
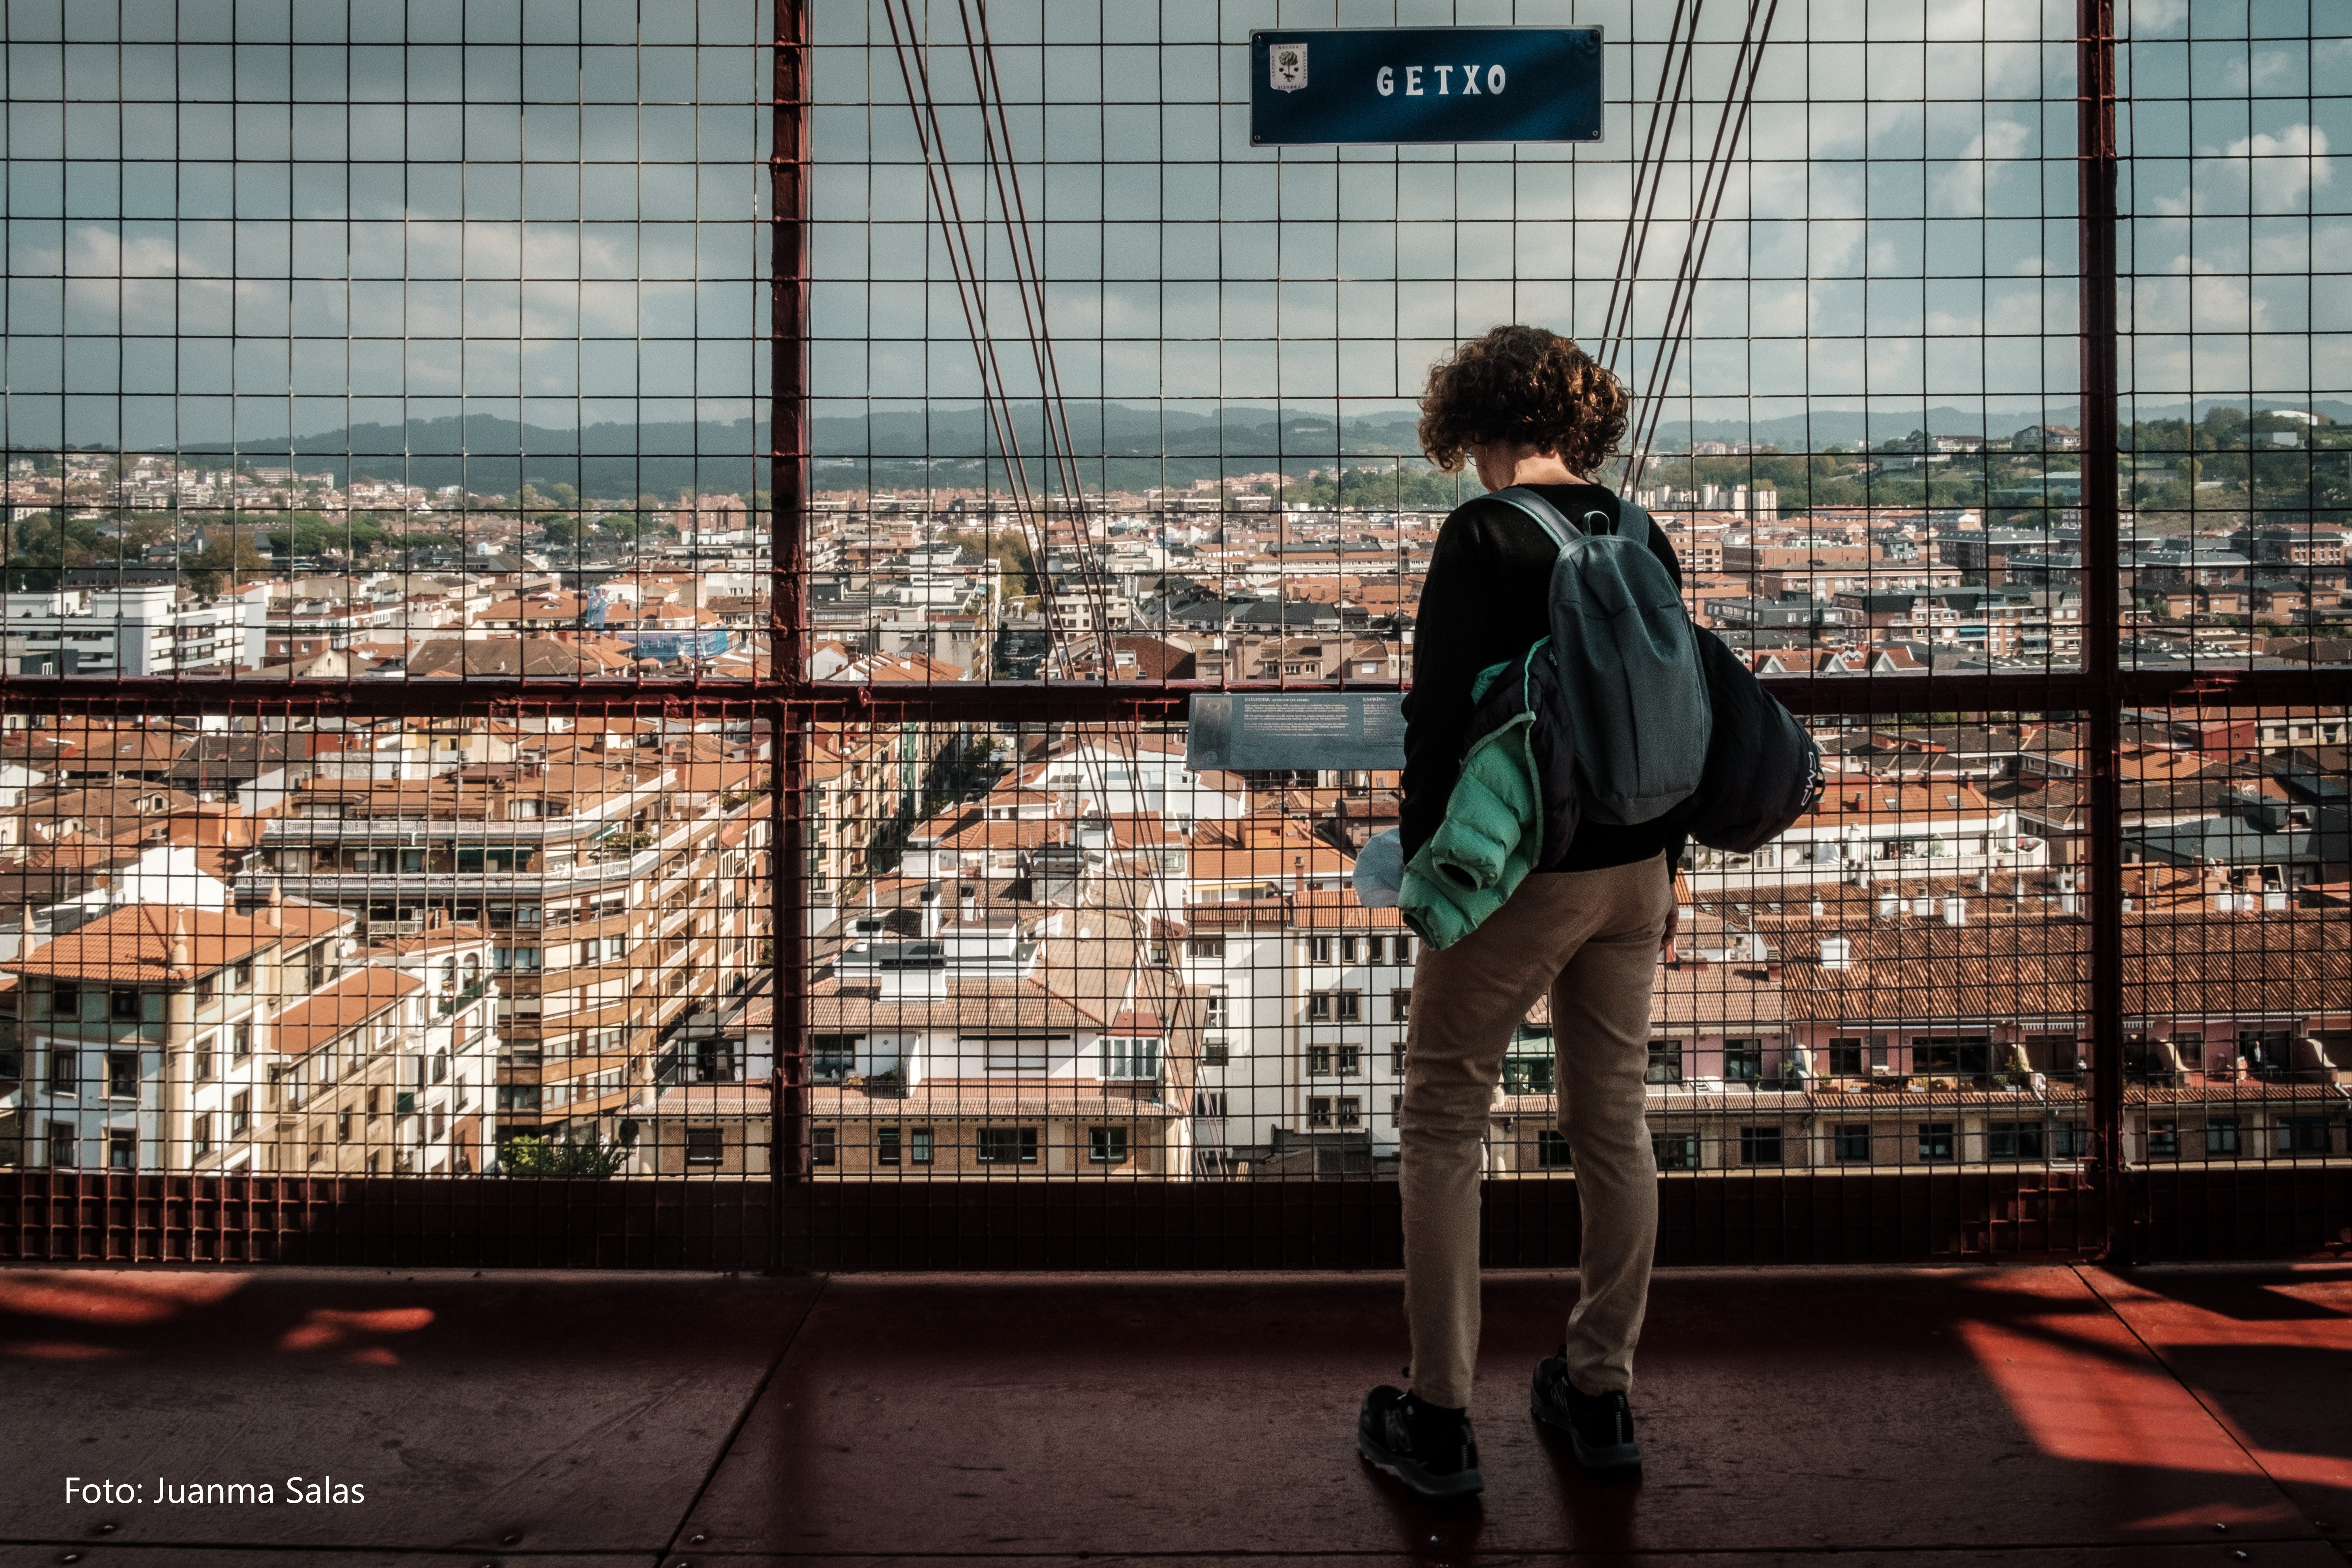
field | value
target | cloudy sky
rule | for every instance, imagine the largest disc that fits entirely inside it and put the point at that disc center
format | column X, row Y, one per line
column 256, row 219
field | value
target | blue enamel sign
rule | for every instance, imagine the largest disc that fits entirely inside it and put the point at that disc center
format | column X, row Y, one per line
column 1425, row 84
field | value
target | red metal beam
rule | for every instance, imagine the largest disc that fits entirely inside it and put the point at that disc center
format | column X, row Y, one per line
column 2095, row 169
column 789, row 952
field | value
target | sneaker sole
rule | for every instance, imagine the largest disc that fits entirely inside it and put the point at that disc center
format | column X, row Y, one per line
column 1462, row 1483
column 1616, row 1457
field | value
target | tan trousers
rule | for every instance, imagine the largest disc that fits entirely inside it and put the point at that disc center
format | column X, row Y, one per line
column 1591, row 938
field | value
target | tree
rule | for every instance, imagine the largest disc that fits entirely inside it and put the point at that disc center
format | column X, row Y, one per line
column 232, row 555
column 530, row 1156
column 558, row 529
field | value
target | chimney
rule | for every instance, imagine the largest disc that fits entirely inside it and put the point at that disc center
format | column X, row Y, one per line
column 1956, row 911
column 1837, row 953
column 276, row 892
column 1889, row 905
column 2273, row 900
column 181, row 954
column 1923, row 906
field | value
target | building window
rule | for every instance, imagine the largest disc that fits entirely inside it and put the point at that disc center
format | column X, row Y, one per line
column 2221, row 1136
column 833, row 1057
column 1017, row 1056
column 1335, row 1006
column 1349, row 1110
column 1131, row 1058
column 201, row 1055
column 122, row 1075
column 240, row 1113
column 122, row 1149
column 1347, row 949
column 1107, row 1145
column 885, row 1145
column 1853, row 1142
column 1551, row 1150
column 1845, row 1058
column 243, row 1038
column 343, row 1127
column 2070, row 1140
column 1665, row 1062
column 1351, row 1061
column 1743, row 1061
column 704, row 1146
column 2013, row 1141
column 65, row 1002
column 2304, row 1135
column 1205, row 947
column 65, row 1072
column 822, row 1150
column 122, row 1004
column 2164, row 1140
column 1935, row 1141
column 1007, row 1146
column 1527, row 1075
column 1319, row 1111
column 1318, row 949
column 200, row 1133
column 1961, row 1055
column 1674, row 1151
column 1318, row 1061
column 1759, row 1146
column 919, row 1146
column 1400, row 1004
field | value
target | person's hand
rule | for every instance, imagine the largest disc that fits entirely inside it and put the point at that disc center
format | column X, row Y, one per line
column 1666, row 942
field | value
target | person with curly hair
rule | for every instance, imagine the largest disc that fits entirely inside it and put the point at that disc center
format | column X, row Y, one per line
column 1527, row 407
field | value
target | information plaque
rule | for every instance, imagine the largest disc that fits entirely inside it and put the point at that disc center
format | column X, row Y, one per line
column 1424, row 84
column 1268, row 731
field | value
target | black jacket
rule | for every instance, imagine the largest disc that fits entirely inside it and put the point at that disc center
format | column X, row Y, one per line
column 1488, row 596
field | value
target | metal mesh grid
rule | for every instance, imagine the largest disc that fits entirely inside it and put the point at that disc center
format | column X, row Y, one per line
column 2056, row 967
column 379, row 326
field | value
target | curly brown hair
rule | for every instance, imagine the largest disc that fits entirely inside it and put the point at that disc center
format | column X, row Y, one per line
column 1522, row 383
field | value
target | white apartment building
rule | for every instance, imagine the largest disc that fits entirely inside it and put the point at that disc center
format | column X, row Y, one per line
column 140, row 629
column 1303, row 1005
column 1879, row 827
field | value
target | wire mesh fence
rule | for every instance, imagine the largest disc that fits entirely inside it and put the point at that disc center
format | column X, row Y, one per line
column 497, row 768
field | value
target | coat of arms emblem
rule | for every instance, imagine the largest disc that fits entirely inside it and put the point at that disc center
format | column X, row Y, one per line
column 1285, row 67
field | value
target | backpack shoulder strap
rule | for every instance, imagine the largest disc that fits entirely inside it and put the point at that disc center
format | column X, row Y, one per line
column 1549, row 516
column 1635, row 522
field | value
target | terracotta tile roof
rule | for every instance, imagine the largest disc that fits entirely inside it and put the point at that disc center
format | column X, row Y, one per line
column 335, row 1010
column 134, row 944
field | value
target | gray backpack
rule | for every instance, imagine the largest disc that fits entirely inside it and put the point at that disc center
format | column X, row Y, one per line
column 1628, row 661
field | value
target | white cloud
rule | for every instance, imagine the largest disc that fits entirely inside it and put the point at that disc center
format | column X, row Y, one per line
column 1958, row 191
column 2283, row 170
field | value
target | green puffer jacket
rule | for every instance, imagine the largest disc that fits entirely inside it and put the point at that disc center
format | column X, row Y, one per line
column 1493, row 829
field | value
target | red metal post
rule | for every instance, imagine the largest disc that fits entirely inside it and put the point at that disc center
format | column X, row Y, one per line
column 788, row 295
column 2095, row 168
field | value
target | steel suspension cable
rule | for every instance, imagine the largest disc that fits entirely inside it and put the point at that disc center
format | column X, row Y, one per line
column 1730, row 126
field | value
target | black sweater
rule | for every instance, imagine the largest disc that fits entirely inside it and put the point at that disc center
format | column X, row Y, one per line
column 1488, row 596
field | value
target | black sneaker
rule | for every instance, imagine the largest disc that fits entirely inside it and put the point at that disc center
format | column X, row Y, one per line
column 1428, row 1449
column 1599, row 1425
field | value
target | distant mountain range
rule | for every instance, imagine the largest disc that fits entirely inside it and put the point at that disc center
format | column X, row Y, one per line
column 1123, row 446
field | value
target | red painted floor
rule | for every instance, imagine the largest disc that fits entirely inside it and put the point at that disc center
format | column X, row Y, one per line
column 1928, row 1418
